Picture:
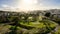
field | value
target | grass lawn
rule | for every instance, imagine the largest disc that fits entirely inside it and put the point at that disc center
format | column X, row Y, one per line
column 41, row 24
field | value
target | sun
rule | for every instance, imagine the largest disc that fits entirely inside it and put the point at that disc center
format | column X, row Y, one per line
column 27, row 1
column 27, row 4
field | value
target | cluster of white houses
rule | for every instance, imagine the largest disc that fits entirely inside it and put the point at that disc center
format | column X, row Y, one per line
column 7, row 13
column 54, row 12
column 22, row 15
column 32, row 15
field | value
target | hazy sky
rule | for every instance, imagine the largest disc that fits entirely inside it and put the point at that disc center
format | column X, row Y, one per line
column 29, row 4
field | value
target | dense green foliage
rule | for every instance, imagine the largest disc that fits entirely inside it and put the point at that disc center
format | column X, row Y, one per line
column 48, row 14
column 42, row 27
column 28, row 24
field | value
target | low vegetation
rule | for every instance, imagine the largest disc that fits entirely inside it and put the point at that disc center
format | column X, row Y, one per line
column 26, row 24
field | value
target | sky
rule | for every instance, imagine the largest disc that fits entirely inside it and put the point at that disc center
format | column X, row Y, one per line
column 26, row 5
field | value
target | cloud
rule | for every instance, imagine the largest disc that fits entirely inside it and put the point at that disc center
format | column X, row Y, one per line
column 7, row 7
column 34, row 5
column 28, row 5
column 0, row 8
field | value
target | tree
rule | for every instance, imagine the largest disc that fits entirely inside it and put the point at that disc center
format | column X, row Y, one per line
column 26, row 18
column 47, row 14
